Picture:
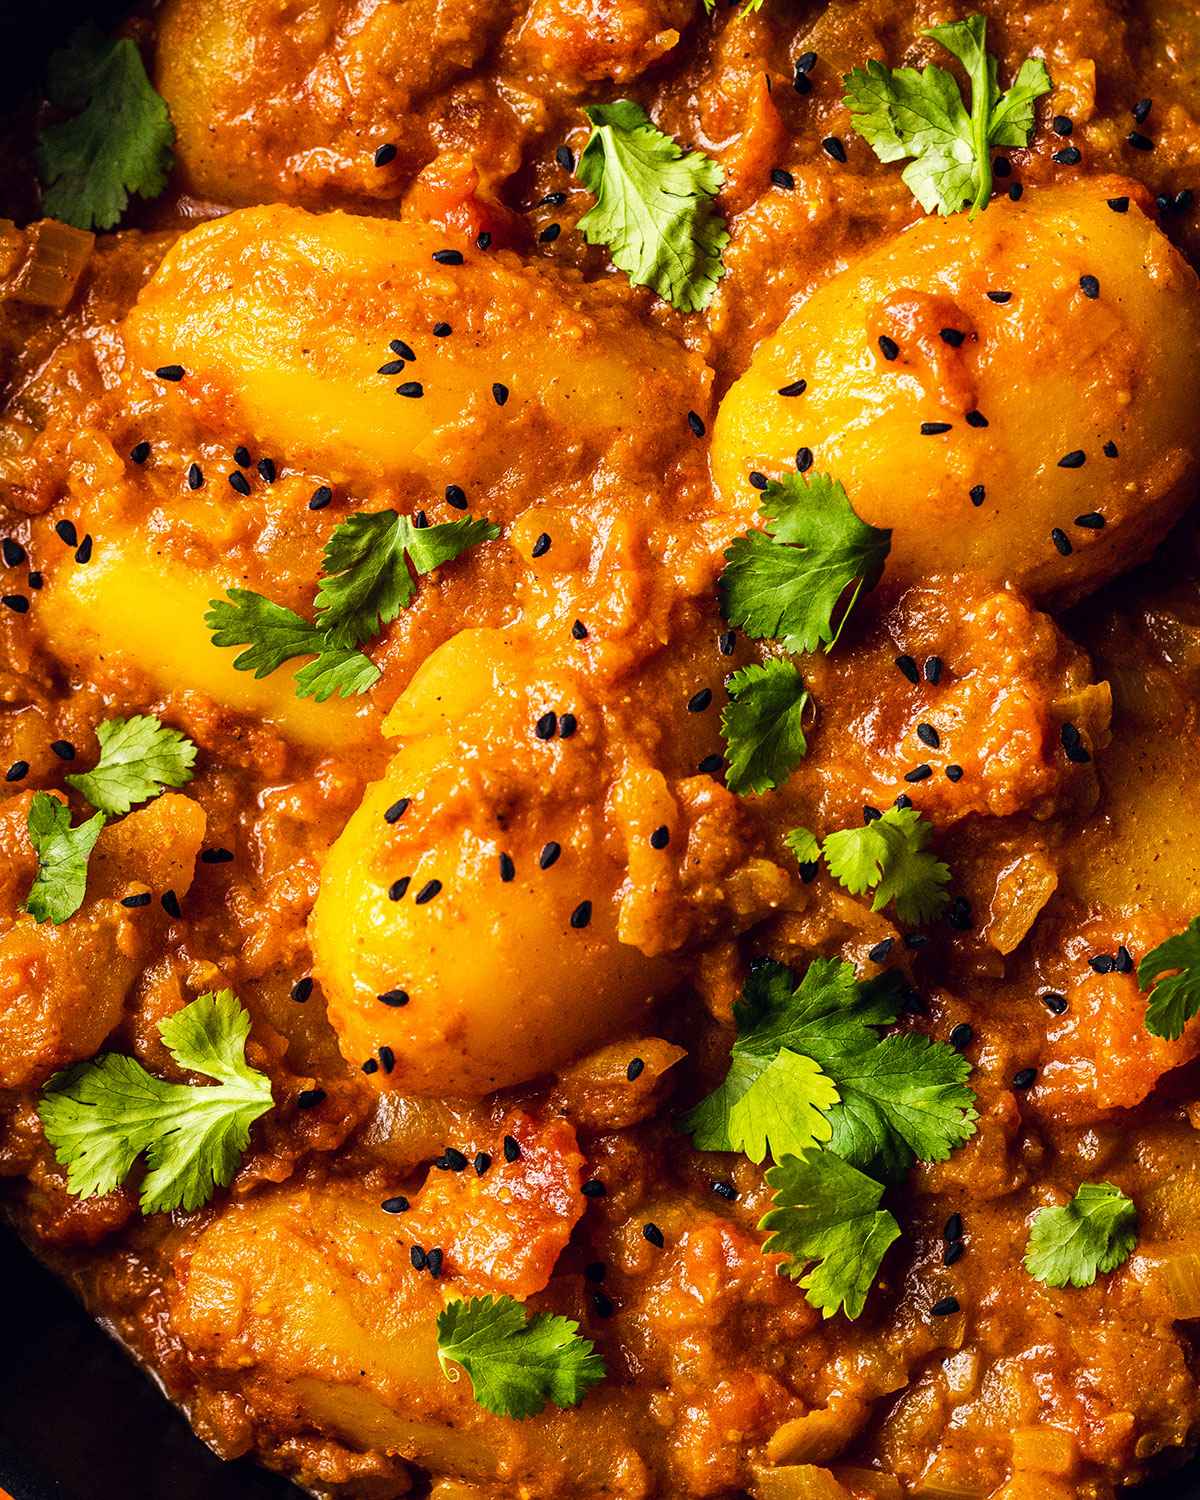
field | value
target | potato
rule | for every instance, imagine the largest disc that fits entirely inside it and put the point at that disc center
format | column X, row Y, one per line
column 1053, row 372
column 503, row 979
column 282, row 319
column 133, row 607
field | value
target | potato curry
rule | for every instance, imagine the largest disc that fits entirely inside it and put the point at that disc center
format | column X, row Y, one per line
column 600, row 661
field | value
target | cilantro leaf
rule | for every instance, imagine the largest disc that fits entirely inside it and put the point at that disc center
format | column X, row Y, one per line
column 138, row 758
column 58, row 887
column 367, row 581
column 763, row 725
column 515, row 1365
column 1091, row 1234
column 826, row 1211
column 654, row 205
column 803, row 845
column 1176, row 999
column 899, row 1096
column 119, row 141
column 901, row 112
column 275, row 635
column 889, row 857
column 785, row 583
column 101, row 1115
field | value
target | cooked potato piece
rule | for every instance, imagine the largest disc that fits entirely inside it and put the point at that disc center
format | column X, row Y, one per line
column 133, row 607
column 1065, row 398
column 491, row 971
column 282, row 319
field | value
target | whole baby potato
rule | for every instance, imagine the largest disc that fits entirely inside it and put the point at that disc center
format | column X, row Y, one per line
column 979, row 385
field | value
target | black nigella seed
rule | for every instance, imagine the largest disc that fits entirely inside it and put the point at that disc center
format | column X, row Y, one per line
column 726, row 641
column 1072, row 743
column 871, row 814
column 370, row 1066
column 834, row 148
column 1002, row 167
column 481, row 1163
column 398, row 888
column 417, row 1256
column 782, row 179
column 140, row 452
column 1069, row 156
column 919, row 773
column 889, row 348
column 567, row 725
column 1023, row 1078
column 542, row 545
column 879, row 953
column 397, row 999
column 387, row 1059
column 1124, row 963
column 654, row 1235
column 935, row 429
column 401, row 349
column 499, row 393
column 1118, row 205
column 802, row 83
column 239, row 482
column 63, row 749
column 953, row 1252
column 216, row 856
column 397, row 810
column 384, row 154
column 549, row 855
column 507, row 869
column 593, row 1188
column 35, row 579
column 17, row 771
column 1111, row 450
column 442, row 330
column 661, row 837
column 565, row 157
column 194, row 477
column 1055, row 1003
column 427, row 892
column 241, row 456
column 390, row 367
column 1102, row 963
column 456, row 496
column 310, row 1098
column 806, row 62
column 1141, row 111
column 961, row 1035
column 1185, row 199
column 933, row 669
column 1139, row 142
column 547, row 726
column 944, row 1307
column 448, row 257
column 999, row 298
column 1061, row 125
column 302, row 989
column 1091, row 520
column 975, row 418
column 1073, row 460
column 698, row 702
column 16, row 602
column 12, row 552
column 1090, row 286
column 1061, row 541
column 141, row 899
column 65, row 531
column 724, row 1190
column 83, row 553
column 635, row 1069
column 451, row 1160
column 954, row 773
column 512, row 1151
column 484, row 240
column 710, row 765
column 396, row 1205
column 1015, row 191
column 758, row 480
column 954, row 1228
column 909, row 668
column 796, row 388
column 170, row 904
column 550, row 234
column 321, row 497
column 903, row 800
column 696, row 422
column 169, row 372
column 955, row 337
column 928, row 735
column 413, row 389
column 804, row 460
column 552, row 200
column 433, row 1263
column 582, row 915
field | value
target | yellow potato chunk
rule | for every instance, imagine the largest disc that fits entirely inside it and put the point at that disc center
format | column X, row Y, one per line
column 1082, row 367
column 281, row 320
column 441, row 975
column 131, row 607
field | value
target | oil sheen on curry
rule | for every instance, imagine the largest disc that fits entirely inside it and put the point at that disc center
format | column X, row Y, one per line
column 599, row 688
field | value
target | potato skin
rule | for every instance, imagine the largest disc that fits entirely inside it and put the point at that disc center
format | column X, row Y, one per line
column 1052, row 370
column 501, row 984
